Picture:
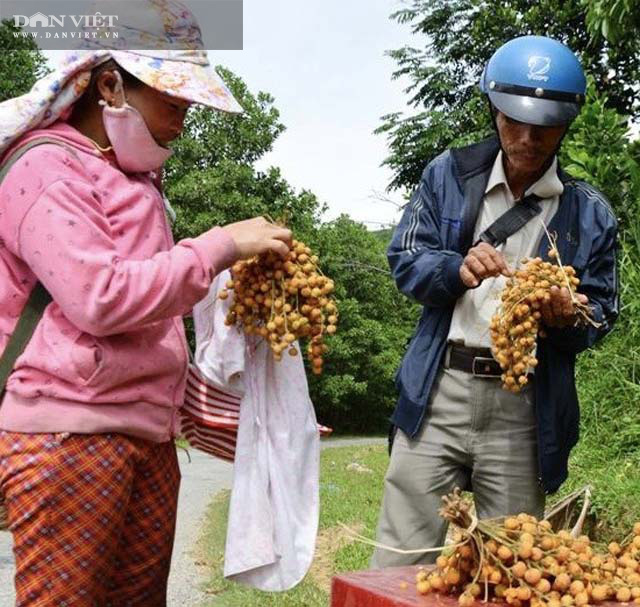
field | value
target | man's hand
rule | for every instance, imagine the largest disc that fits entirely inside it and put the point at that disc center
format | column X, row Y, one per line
column 481, row 262
column 559, row 311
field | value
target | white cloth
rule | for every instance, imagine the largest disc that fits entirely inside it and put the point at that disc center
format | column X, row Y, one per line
column 220, row 350
column 274, row 509
column 473, row 311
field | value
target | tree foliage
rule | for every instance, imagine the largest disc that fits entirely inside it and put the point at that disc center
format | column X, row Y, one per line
column 356, row 391
column 615, row 20
column 599, row 150
column 21, row 63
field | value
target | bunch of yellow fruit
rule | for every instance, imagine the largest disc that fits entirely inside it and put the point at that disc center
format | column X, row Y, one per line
column 516, row 325
column 522, row 561
column 283, row 300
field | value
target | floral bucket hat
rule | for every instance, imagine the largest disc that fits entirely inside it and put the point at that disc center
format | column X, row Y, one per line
column 183, row 72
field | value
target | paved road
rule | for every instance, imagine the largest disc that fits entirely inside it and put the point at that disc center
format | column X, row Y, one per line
column 202, row 478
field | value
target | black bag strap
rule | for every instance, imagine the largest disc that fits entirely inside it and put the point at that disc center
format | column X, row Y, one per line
column 29, row 319
column 513, row 220
column 39, row 298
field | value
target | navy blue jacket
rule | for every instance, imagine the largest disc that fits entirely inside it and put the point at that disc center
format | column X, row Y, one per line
column 425, row 256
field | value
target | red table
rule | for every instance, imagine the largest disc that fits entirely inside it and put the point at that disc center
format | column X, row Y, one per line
column 392, row 587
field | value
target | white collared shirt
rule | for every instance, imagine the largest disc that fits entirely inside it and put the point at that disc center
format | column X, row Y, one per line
column 473, row 311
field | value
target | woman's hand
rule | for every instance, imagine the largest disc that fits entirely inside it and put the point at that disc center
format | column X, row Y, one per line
column 257, row 235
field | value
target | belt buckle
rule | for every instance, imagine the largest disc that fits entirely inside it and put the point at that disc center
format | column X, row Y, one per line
column 482, row 361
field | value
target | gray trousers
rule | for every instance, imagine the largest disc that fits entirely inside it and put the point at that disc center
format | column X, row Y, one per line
column 473, row 431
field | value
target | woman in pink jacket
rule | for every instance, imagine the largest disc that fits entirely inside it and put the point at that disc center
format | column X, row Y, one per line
column 88, row 468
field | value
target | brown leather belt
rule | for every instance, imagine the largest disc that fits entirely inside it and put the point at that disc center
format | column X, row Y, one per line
column 477, row 361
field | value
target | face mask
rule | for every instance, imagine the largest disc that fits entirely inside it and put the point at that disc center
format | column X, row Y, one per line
column 135, row 148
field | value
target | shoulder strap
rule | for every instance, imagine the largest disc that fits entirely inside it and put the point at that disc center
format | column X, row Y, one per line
column 29, row 319
column 513, row 220
column 40, row 297
column 17, row 153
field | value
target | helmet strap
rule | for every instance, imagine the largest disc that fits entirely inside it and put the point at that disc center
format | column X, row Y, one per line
column 492, row 111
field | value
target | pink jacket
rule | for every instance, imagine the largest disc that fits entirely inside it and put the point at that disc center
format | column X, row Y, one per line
column 110, row 353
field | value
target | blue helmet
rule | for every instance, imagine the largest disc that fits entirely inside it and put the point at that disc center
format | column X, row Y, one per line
column 536, row 80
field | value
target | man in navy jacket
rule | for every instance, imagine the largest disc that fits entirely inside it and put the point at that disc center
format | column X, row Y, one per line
column 455, row 425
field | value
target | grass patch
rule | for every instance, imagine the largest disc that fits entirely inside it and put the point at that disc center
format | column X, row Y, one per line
column 616, row 491
column 346, row 496
column 607, row 456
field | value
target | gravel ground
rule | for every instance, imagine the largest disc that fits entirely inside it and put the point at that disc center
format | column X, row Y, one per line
column 202, row 478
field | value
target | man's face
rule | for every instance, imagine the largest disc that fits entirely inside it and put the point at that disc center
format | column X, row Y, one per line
column 527, row 146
